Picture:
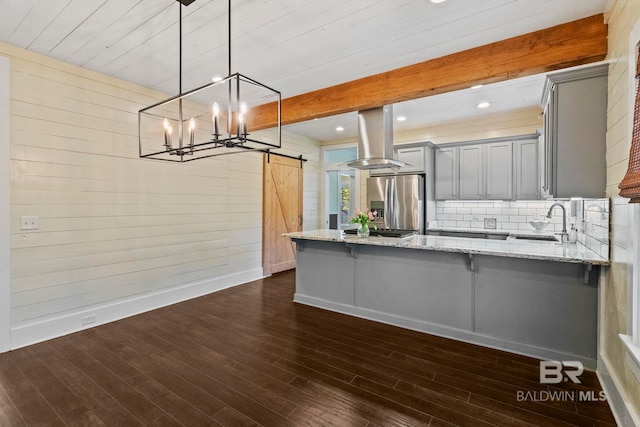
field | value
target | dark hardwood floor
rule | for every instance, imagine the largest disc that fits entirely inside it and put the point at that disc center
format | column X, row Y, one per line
column 249, row 356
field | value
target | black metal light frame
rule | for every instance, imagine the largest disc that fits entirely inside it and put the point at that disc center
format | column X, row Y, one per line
column 187, row 149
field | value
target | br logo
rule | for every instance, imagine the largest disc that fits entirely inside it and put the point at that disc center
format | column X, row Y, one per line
column 554, row 372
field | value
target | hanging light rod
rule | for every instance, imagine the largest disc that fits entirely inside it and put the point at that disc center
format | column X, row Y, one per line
column 210, row 120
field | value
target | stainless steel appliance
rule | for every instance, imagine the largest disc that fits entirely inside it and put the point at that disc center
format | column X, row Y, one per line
column 398, row 201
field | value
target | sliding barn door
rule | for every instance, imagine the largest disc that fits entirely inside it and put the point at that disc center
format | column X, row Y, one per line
column 282, row 207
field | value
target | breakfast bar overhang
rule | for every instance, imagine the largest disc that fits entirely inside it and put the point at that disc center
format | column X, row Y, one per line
column 540, row 301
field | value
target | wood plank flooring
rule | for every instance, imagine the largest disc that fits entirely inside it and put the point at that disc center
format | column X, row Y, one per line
column 249, row 356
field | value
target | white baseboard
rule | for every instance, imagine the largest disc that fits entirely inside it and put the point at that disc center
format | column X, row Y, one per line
column 444, row 331
column 67, row 323
column 624, row 413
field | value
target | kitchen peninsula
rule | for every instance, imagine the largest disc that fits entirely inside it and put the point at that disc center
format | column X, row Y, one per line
column 534, row 298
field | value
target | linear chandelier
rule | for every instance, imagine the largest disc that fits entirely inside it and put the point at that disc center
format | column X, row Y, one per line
column 211, row 120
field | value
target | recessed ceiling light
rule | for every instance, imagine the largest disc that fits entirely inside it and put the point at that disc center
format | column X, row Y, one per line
column 402, row 119
column 217, row 79
column 339, row 129
column 438, row 1
column 476, row 86
column 483, row 104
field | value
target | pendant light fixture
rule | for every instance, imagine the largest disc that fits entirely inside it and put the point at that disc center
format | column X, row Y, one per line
column 211, row 120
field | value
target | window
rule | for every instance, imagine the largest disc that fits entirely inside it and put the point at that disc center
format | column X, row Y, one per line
column 340, row 189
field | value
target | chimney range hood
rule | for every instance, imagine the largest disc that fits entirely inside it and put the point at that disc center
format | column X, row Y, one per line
column 375, row 140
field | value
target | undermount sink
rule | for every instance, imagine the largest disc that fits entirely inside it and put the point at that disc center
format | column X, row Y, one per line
column 469, row 235
column 537, row 238
column 494, row 236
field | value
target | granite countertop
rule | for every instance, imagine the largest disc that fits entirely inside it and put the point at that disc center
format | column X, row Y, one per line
column 550, row 251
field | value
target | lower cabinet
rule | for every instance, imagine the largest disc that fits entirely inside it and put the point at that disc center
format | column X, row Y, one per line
column 546, row 309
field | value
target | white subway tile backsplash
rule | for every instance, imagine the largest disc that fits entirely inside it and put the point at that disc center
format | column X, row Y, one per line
column 456, row 204
column 592, row 221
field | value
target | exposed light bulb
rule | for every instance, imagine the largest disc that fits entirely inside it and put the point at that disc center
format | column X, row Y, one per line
column 192, row 128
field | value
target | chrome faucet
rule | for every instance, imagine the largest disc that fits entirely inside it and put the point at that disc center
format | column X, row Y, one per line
column 564, row 236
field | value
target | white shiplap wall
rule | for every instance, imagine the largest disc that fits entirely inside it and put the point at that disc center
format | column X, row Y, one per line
column 118, row 234
column 5, row 289
column 615, row 298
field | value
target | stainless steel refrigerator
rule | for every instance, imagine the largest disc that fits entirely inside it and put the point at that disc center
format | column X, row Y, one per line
column 399, row 201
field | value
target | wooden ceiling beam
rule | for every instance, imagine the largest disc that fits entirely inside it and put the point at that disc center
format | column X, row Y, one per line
column 575, row 43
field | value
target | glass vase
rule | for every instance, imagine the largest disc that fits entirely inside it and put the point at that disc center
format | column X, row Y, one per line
column 363, row 230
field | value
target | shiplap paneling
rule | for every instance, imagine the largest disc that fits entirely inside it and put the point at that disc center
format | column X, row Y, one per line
column 614, row 297
column 5, row 221
column 113, row 227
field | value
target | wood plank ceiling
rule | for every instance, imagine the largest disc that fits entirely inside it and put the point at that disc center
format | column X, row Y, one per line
column 295, row 46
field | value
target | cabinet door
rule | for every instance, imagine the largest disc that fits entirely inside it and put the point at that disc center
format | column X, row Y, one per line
column 414, row 157
column 527, row 170
column 499, row 170
column 471, row 176
column 446, row 173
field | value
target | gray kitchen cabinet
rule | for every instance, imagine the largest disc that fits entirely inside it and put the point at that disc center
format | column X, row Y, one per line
column 527, row 168
column 575, row 121
column 498, row 170
column 475, row 171
column 471, row 172
column 413, row 157
column 446, row 173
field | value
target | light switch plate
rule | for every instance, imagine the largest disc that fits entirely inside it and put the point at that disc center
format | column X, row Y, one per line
column 29, row 223
column 490, row 223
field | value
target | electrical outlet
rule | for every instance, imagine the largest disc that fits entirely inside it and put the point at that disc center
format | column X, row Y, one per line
column 89, row 319
column 29, row 223
column 490, row 223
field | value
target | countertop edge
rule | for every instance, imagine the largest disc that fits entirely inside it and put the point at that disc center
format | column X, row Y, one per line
column 463, row 248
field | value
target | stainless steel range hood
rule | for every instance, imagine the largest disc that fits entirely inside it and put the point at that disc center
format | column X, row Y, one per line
column 375, row 140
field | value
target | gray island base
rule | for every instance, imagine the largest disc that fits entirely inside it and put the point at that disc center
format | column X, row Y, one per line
column 537, row 307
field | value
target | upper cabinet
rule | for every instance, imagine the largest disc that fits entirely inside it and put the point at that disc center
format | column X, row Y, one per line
column 527, row 169
column 575, row 124
column 446, row 173
column 415, row 155
column 498, row 165
column 488, row 170
column 471, row 172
